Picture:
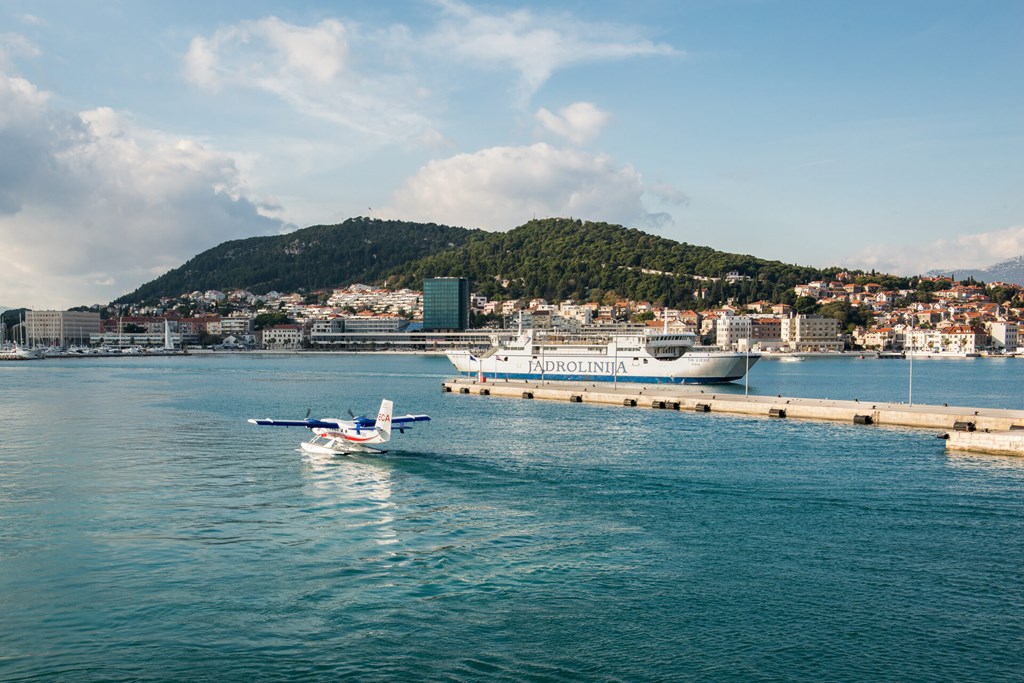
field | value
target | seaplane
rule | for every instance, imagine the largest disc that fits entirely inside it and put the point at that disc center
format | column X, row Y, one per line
column 342, row 437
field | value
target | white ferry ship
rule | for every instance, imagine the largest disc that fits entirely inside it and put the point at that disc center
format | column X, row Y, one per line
column 646, row 358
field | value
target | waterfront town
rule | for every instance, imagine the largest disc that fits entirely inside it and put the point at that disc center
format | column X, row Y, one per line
column 958, row 319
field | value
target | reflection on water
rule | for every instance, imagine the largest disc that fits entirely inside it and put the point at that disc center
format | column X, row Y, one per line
column 357, row 488
column 984, row 462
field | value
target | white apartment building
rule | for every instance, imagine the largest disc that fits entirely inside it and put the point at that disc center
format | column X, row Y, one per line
column 957, row 339
column 235, row 326
column 1004, row 336
column 283, row 337
column 811, row 333
column 733, row 332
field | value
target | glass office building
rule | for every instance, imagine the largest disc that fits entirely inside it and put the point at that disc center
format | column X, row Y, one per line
column 446, row 303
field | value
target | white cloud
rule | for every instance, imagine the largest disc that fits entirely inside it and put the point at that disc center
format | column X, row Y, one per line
column 15, row 45
column 977, row 250
column 254, row 52
column 502, row 187
column 535, row 45
column 669, row 193
column 386, row 82
column 308, row 68
column 579, row 123
column 91, row 206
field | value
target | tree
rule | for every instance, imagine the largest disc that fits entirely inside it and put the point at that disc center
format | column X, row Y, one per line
column 806, row 305
column 269, row 320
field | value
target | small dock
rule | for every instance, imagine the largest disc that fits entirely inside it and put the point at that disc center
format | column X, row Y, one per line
column 987, row 430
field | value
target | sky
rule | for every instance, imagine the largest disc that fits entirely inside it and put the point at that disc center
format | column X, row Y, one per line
column 872, row 134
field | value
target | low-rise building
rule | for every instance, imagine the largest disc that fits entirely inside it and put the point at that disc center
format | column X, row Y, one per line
column 283, row 337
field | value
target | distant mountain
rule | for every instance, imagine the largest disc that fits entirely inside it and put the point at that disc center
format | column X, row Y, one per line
column 1011, row 271
column 358, row 250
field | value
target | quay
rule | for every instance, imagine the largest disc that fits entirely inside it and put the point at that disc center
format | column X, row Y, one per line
column 987, row 430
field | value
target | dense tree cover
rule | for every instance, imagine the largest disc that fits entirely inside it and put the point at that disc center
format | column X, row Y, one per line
column 358, row 250
column 554, row 258
column 264, row 320
column 10, row 318
column 848, row 316
column 558, row 259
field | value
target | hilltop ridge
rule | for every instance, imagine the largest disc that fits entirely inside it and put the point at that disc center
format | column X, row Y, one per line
column 320, row 256
column 553, row 258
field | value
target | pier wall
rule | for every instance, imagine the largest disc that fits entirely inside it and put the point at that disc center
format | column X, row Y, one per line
column 999, row 443
column 965, row 425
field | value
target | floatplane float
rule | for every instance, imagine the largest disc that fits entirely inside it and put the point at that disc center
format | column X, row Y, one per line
column 342, row 437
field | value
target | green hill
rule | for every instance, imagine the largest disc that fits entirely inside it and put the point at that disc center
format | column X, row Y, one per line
column 358, row 250
column 554, row 258
column 559, row 258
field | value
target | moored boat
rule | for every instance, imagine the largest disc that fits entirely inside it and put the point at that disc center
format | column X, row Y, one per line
column 637, row 357
column 16, row 352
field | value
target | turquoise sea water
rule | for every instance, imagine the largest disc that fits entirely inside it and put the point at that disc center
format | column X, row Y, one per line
column 147, row 532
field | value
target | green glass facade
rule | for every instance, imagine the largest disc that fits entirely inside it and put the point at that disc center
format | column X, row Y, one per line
column 445, row 303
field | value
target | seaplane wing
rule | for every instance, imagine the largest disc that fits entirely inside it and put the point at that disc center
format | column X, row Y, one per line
column 401, row 419
column 330, row 423
column 332, row 435
column 307, row 423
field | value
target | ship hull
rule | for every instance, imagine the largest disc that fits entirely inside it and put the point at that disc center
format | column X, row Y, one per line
column 692, row 368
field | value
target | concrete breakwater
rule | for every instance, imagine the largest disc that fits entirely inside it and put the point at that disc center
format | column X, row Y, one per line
column 991, row 430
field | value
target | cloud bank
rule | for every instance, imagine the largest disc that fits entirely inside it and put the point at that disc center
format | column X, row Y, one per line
column 533, row 45
column 501, row 187
column 977, row 250
column 310, row 69
column 91, row 206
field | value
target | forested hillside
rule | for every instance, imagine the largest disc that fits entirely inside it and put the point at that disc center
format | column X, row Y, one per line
column 358, row 250
column 554, row 258
column 559, row 258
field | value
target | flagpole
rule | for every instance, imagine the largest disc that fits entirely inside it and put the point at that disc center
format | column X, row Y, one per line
column 746, row 375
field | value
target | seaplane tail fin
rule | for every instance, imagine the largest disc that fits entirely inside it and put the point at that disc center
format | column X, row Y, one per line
column 383, row 423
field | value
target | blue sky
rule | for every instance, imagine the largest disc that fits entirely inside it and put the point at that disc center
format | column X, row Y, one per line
column 134, row 135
